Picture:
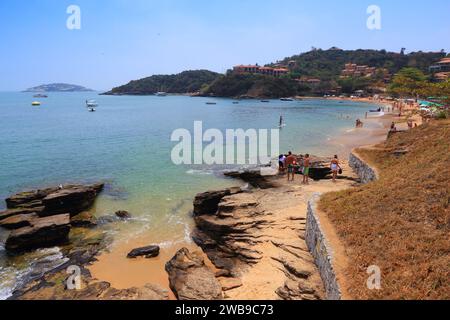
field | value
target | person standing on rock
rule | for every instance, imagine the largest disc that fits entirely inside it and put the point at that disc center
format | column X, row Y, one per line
column 290, row 164
column 306, row 164
column 335, row 167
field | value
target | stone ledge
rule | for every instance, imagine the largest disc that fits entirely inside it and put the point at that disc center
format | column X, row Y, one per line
column 365, row 172
column 321, row 251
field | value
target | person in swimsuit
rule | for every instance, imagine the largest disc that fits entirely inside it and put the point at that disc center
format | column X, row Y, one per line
column 335, row 167
column 290, row 164
column 306, row 164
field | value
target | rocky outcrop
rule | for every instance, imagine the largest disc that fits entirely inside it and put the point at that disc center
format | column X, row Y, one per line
column 208, row 203
column 147, row 252
column 39, row 218
column 42, row 232
column 191, row 279
column 254, row 177
column 365, row 173
column 257, row 232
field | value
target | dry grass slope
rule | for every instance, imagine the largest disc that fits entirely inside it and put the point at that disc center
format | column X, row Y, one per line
column 400, row 223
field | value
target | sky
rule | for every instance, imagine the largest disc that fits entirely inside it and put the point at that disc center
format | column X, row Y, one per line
column 123, row 40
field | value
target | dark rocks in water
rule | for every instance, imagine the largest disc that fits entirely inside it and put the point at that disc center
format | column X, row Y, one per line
column 191, row 279
column 43, row 232
column 84, row 219
column 23, row 198
column 72, row 199
column 18, row 221
column 148, row 252
column 253, row 177
column 208, row 202
column 122, row 214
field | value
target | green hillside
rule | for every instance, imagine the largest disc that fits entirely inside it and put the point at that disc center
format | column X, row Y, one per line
column 185, row 82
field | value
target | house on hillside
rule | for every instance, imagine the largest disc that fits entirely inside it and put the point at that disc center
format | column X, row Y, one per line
column 441, row 70
column 256, row 69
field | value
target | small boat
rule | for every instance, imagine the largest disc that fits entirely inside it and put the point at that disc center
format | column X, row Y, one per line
column 91, row 105
column 287, row 99
column 35, row 103
column 265, row 101
column 211, row 103
column 161, row 94
column 235, row 102
column 40, row 96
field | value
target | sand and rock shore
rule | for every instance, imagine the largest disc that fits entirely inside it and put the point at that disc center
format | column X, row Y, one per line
column 251, row 241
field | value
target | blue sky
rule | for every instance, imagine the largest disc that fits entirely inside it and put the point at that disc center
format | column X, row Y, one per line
column 121, row 40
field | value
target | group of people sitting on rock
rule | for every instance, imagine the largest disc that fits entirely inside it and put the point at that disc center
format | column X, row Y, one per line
column 293, row 165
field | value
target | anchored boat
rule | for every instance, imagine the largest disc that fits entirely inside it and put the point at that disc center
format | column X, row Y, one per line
column 91, row 105
column 35, row 103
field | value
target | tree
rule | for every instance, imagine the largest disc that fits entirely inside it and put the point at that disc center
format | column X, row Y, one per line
column 408, row 82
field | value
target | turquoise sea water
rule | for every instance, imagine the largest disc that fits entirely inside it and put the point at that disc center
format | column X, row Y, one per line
column 127, row 143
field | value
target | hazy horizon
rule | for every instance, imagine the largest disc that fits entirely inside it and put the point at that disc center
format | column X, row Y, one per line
column 122, row 40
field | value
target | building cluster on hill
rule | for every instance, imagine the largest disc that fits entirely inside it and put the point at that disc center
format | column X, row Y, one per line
column 256, row 69
column 441, row 70
column 352, row 70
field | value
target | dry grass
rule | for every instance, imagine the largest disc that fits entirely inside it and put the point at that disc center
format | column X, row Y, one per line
column 400, row 223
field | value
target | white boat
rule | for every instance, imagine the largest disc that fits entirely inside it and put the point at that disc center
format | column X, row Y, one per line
column 161, row 94
column 287, row 99
column 91, row 105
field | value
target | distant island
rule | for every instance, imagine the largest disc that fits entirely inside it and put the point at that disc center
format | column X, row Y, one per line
column 192, row 81
column 314, row 73
column 58, row 87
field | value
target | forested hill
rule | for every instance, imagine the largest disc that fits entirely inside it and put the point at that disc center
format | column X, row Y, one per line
column 328, row 64
column 185, row 82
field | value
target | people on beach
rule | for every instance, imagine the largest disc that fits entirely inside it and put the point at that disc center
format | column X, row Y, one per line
column 359, row 123
column 335, row 167
column 281, row 163
column 290, row 164
column 393, row 127
column 306, row 164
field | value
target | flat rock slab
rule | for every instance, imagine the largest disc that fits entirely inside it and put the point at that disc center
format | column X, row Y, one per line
column 191, row 279
column 73, row 200
column 148, row 252
column 42, row 233
column 18, row 221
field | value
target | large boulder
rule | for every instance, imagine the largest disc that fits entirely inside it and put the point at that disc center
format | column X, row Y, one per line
column 191, row 279
column 148, row 252
column 43, row 232
column 72, row 200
